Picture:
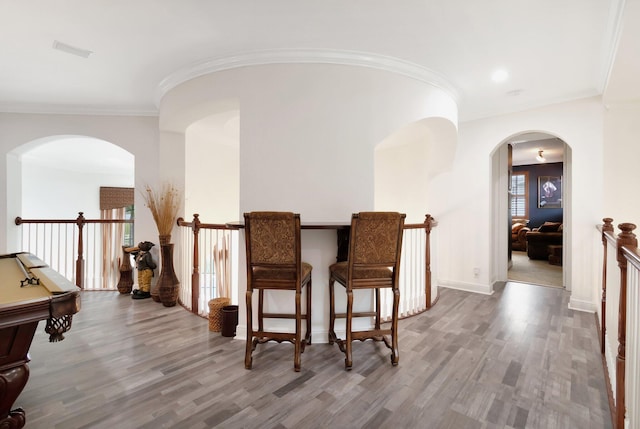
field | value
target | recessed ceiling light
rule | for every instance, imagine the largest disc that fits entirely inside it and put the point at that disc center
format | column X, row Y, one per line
column 500, row 75
column 71, row 49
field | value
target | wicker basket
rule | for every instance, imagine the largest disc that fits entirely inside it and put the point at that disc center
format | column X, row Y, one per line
column 215, row 313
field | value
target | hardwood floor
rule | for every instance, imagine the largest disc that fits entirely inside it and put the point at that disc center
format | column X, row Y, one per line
column 517, row 359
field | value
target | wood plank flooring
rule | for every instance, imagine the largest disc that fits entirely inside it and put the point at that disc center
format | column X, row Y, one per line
column 516, row 359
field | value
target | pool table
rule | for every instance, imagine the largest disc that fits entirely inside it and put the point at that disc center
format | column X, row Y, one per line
column 30, row 291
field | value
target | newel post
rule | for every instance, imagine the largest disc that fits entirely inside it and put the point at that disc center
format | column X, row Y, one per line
column 625, row 238
column 80, row 221
column 428, row 219
column 607, row 226
column 195, row 274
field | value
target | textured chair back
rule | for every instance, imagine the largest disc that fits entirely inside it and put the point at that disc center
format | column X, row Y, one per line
column 376, row 240
column 273, row 237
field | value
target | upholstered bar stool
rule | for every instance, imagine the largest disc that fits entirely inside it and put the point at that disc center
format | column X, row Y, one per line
column 274, row 263
column 374, row 257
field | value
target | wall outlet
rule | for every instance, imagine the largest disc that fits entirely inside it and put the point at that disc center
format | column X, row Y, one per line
column 476, row 272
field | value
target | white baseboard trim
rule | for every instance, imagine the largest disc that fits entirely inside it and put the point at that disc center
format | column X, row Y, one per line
column 467, row 287
column 580, row 305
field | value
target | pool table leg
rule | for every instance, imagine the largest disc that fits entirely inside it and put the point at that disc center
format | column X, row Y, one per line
column 14, row 371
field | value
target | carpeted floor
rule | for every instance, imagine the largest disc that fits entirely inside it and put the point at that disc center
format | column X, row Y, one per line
column 526, row 270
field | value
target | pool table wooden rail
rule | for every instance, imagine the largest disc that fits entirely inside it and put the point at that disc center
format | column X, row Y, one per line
column 22, row 307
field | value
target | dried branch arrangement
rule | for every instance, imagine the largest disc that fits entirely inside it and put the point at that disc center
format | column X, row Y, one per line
column 164, row 205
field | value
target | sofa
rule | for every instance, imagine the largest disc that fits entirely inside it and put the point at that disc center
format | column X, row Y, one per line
column 539, row 239
column 519, row 235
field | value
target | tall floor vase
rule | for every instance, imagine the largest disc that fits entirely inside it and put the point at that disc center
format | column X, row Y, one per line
column 125, row 284
column 168, row 284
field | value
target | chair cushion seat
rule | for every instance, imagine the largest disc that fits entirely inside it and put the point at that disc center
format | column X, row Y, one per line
column 266, row 273
column 339, row 270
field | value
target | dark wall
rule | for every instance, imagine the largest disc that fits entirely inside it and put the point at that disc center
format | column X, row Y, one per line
column 538, row 216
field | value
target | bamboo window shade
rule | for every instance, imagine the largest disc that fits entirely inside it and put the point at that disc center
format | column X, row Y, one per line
column 115, row 198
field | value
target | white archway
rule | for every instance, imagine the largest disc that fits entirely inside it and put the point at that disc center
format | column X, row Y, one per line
column 56, row 177
column 407, row 160
column 500, row 212
column 212, row 173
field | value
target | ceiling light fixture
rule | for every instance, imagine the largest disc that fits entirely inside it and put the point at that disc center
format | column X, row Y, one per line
column 500, row 75
column 540, row 156
column 84, row 53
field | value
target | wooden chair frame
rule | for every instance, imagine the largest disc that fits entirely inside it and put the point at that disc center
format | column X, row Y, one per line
column 353, row 281
column 274, row 274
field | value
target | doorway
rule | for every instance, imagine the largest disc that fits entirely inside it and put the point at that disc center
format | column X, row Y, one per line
column 536, row 208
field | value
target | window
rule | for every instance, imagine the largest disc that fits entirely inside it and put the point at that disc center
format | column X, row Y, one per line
column 128, row 227
column 520, row 195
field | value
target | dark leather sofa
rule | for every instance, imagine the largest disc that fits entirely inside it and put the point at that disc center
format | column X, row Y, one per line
column 538, row 240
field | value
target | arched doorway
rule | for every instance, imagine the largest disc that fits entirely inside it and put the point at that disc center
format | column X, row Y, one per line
column 531, row 172
column 55, row 178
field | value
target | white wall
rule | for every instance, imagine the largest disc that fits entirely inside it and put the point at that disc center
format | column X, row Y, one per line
column 18, row 132
column 54, row 193
column 307, row 132
column 621, row 158
column 465, row 222
column 62, row 177
column 307, row 138
column 213, row 168
column 407, row 160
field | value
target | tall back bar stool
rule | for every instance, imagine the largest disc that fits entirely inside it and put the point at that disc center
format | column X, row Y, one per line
column 373, row 262
column 274, row 263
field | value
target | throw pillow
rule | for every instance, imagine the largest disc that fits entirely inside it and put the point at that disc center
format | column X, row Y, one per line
column 549, row 227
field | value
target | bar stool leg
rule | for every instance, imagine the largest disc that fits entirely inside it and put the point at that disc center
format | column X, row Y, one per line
column 395, row 354
column 332, row 312
column 308, row 312
column 249, row 346
column 348, row 362
column 298, row 336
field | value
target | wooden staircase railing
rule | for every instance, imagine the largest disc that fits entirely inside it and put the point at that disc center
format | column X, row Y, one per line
column 624, row 373
column 51, row 240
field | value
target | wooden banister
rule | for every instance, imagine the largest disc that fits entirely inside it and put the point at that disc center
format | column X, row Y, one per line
column 80, row 222
column 196, row 226
column 607, row 227
column 625, row 238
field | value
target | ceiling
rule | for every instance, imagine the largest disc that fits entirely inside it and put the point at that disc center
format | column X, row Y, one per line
column 553, row 51
column 526, row 148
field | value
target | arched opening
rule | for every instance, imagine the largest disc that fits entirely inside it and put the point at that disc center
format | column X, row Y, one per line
column 212, row 174
column 212, row 190
column 55, row 178
column 405, row 165
column 531, row 176
column 62, row 175
column 406, row 162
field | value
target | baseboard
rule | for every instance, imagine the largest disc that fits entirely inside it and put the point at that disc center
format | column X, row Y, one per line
column 467, row 287
column 580, row 305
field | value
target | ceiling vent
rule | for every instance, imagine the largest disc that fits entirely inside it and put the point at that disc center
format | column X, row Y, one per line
column 71, row 49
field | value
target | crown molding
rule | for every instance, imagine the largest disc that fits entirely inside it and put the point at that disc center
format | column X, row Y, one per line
column 60, row 109
column 612, row 38
column 305, row 56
